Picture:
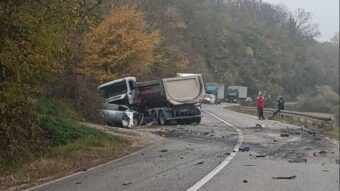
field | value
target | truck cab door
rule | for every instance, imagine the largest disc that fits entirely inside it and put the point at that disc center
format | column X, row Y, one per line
column 132, row 92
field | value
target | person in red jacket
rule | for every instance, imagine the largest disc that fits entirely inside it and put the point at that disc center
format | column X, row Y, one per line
column 260, row 106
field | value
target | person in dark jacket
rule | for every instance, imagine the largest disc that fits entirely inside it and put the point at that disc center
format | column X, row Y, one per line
column 280, row 106
column 260, row 106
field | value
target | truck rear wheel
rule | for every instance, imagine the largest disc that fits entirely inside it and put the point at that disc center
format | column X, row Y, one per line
column 197, row 120
column 154, row 117
column 161, row 118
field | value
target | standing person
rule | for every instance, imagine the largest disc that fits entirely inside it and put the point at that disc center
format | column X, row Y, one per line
column 260, row 106
column 280, row 106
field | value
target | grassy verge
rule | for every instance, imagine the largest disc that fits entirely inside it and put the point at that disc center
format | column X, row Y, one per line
column 323, row 128
column 70, row 147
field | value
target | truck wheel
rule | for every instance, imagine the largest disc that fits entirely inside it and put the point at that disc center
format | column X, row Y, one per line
column 161, row 118
column 197, row 120
column 154, row 117
column 188, row 121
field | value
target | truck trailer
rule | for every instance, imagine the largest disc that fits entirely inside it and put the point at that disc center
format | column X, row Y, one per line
column 158, row 101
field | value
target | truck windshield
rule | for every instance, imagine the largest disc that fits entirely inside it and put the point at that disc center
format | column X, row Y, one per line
column 113, row 89
column 232, row 92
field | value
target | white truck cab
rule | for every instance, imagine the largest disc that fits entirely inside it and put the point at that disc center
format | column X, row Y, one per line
column 122, row 91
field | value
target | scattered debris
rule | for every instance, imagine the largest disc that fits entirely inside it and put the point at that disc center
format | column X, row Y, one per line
column 274, row 140
column 284, row 177
column 160, row 156
column 142, row 153
column 284, row 135
column 260, row 126
column 181, row 157
column 206, row 133
column 164, row 150
column 127, row 183
column 78, row 182
column 244, row 149
column 308, row 149
column 323, row 152
column 317, row 139
column 298, row 160
column 245, row 181
column 260, row 156
column 200, row 163
column 227, row 153
column 314, row 154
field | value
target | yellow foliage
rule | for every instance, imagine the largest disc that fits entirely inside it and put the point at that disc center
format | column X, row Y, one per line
column 120, row 45
column 249, row 51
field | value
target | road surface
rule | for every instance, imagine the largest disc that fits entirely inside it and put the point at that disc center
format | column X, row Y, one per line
column 186, row 154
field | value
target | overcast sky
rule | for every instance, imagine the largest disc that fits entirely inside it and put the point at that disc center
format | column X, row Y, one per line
column 325, row 13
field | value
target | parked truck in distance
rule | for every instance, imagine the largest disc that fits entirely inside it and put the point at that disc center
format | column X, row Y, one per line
column 158, row 101
column 236, row 94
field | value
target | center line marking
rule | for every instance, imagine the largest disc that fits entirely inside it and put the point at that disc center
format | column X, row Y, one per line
column 224, row 163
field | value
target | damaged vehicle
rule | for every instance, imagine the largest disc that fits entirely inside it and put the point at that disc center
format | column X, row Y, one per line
column 119, row 115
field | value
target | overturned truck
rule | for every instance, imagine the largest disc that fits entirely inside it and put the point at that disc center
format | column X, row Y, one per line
column 161, row 101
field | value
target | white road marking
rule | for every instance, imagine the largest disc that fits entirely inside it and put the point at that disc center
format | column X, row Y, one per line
column 224, row 163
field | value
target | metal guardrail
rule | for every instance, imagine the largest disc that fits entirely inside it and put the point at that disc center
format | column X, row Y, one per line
column 293, row 113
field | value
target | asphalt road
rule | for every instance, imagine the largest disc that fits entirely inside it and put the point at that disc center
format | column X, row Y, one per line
column 186, row 154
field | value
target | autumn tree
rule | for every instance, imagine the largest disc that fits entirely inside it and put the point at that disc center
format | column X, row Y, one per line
column 35, row 45
column 120, row 45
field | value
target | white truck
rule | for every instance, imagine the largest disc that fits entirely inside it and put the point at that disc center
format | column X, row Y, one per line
column 236, row 93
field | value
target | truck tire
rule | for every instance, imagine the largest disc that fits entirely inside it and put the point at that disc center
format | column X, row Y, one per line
column 197, row 120
column 161, row 118
column 154, row 117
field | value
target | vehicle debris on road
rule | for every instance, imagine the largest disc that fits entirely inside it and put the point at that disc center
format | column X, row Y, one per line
column 298, row 160
column 244, row 149
column 284, row 135
column 200, row 163
column 284, row 177
column 127, row 183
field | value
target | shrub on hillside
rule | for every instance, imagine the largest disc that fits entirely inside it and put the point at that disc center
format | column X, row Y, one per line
column 323, row 99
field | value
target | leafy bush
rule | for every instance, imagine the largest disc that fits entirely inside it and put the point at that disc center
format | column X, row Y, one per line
column 61, row 125
column 324, row 99
column 19, row 131
column 53, row 123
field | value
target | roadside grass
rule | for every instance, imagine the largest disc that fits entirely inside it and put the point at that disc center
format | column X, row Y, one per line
column 71, row 147
column 323, row 128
